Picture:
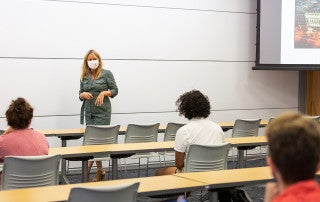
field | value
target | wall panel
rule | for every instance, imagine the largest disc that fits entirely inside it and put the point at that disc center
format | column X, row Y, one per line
column 156, row 50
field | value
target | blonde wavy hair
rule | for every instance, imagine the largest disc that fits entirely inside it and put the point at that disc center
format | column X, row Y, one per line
column 86, row 69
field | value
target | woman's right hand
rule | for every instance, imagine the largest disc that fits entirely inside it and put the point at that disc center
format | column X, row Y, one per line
column 86, row 95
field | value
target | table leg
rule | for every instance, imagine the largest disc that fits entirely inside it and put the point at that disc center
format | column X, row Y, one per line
column 63, row 177
column 85, row 171
column 213, row 196
column 240, row 158
column 114, row 168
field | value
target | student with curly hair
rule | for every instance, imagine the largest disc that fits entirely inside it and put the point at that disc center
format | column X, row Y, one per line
column 200, row 130
column 19, row 139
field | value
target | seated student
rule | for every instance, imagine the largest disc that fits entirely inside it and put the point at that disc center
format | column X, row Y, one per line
column 200, row 130
column 19, row 139
column 194, row 106
column 294, row 146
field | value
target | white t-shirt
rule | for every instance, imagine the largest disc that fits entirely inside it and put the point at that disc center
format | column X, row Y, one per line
column 198, row 131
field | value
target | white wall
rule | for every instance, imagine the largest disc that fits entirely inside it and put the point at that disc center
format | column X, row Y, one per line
column 155, row 49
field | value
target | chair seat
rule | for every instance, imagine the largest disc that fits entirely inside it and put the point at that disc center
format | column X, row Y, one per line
column 137, row 133
column 245, row 128
column 246, row 147
column 98, row 135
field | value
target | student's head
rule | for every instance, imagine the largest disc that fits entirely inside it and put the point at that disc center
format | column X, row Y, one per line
column 294, row 146
column 91, row 62
column 193, row 104
column 19, row 114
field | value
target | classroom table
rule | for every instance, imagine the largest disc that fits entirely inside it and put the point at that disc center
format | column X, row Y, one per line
column 131, row 148
column 150, row 186
column 113, row 149
column 229, row 178
column 77, row 133
column 246, row 141
column 71, row 134
column 157, row 185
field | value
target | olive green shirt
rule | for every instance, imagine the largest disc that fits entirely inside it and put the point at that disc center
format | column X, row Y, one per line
column 97, row 115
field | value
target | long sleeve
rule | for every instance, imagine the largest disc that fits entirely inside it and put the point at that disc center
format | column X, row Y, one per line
column 112, row 84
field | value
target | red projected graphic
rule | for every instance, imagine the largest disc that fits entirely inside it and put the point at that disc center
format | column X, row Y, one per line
column 307, row 24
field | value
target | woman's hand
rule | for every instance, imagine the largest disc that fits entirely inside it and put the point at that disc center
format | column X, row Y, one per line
column 86, row 95
column 100, row 98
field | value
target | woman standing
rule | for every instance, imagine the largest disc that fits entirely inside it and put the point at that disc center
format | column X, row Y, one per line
column 96, row 86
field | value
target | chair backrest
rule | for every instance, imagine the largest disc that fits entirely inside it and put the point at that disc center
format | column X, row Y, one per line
column 95, row 134
column 30, row 171
column 141, row 133
column 124, row 192
column 207, row 157
column 171, row 130
column 246, row 127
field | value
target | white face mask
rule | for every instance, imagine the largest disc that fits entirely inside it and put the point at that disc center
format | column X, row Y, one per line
column 93, row 64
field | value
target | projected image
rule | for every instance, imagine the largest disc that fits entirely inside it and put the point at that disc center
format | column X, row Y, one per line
column 307, row 24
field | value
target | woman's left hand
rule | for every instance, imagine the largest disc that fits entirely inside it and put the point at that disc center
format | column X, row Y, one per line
column 99, row 100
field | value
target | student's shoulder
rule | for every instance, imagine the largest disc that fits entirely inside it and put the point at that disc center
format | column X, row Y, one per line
column 216, row 125
column 37, row 133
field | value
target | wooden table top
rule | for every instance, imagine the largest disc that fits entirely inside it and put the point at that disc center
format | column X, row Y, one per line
column 80, row 131
column 232, row 177
column 229, row 178
column 80, row 151
column 151, row 185
column 148, row 186
column 247, row 141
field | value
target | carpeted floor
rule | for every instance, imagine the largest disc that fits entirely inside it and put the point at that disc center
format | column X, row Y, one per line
column 256, row 192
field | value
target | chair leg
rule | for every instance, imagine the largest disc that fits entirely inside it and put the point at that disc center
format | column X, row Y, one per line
column 120, row 168
column 160, row 161
column 125, row 165
column 164, row 160
column 67, row 167
column 240, row 158
column 213, row 196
